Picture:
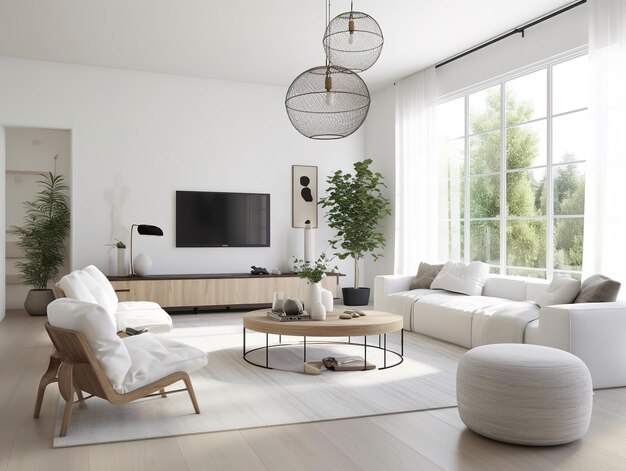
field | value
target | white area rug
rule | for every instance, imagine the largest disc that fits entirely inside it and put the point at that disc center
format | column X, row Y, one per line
column 233, row 394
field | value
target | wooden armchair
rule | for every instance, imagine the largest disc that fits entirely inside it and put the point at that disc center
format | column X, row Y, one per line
column 79, row 370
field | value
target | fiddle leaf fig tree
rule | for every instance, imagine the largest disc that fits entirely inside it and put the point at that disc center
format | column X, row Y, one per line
column 42, row 235
column 355, row 207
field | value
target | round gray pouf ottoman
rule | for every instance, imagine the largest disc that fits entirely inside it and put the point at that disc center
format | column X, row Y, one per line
column 524, row 394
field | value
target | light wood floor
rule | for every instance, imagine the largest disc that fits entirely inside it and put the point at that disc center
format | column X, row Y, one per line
column 432, row 440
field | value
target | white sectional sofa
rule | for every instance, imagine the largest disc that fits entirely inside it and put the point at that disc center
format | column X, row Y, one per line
column 506, row 313
column 92, row 286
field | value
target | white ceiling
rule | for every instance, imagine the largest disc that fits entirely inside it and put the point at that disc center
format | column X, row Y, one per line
column 258, row 41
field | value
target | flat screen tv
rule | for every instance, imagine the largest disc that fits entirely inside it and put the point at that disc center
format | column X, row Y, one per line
column 213, row 219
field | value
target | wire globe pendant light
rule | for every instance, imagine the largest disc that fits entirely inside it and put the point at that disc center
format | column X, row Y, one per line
column 328, row 101
column 353, row 40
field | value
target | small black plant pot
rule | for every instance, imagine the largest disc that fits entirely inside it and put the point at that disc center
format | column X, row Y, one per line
column 356, row 296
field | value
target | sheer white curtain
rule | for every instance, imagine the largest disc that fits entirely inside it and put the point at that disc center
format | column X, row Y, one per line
column 417, row 185
column 605, row 193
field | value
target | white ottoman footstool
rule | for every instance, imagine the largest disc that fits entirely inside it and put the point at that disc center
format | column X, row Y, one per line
column 524, row 394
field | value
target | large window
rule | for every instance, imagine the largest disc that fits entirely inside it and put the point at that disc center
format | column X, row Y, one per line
column 514, row 156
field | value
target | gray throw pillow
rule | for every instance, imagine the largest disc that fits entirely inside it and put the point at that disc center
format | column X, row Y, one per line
column 598, row 289
column 426, row 273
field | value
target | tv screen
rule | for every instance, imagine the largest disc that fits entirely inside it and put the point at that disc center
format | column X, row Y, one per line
column 212, row 219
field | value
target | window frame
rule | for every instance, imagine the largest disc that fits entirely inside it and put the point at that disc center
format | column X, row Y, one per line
column 550, row 167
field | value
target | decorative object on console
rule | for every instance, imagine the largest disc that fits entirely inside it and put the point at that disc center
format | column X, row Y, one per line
column 142, row 264
column 355, row 208
column 258, row 271
column 142, row 229
column 42, row 237
column 304, row 196
column 357, row 40
column 459, row 277
column 122, row 262
column 276, row 271
column 117, row 259
column 328, row 101
column 426, row 274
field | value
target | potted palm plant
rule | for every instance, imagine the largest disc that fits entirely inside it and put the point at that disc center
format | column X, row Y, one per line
column 42, row 236
column 355, row 207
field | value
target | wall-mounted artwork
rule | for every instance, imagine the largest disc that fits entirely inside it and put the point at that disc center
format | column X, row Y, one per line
column 304, row 195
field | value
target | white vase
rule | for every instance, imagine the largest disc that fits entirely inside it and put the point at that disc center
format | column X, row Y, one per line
column 327, row 300
column 312, row 295
column 122, row 262
column 318, row 312
column 142, row 265
column 113, row 271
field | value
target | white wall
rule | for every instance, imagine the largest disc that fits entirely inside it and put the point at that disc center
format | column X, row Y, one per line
column 380, row 135
column 152, row 134
column 557, row 35
column 2, row 228
column 562, row 33
column 30, row 149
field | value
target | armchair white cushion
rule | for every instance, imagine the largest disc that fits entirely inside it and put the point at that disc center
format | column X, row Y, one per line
column 154, row 357
column 74, row 287
column 93, row 322
column 128, row 363
column 91, row 285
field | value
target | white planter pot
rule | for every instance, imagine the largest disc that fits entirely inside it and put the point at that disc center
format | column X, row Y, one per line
column 312, row 295
column 123, row 267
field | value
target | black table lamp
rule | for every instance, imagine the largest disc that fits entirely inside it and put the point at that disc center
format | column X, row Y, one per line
column 142, row 229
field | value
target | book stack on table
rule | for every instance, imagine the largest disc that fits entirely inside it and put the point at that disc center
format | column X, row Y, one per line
column 282, row 317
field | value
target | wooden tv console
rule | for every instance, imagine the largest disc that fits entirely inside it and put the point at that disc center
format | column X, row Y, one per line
column 194, row 291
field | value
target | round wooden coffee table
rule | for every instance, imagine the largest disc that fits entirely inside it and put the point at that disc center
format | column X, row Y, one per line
column 374, row 323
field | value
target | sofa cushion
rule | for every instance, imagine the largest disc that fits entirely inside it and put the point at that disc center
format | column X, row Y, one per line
column 598, row 289
column 98, row 329
column 562, row 290
column 461, row 278
column 104, row 283
column 74, row 287
column 155, row 357
column 402, row 303
column 426, row 273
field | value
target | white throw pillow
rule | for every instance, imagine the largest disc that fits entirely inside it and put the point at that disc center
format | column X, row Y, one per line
column 100, row 333
column 104, row 283
column 461, row 278
column 562, row 290
column 74, row 288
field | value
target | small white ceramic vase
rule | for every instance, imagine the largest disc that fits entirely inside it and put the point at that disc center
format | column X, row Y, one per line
column 318, row 313
column 312, row 295
column 327, row 300
column 123, row 267
column 142, row 264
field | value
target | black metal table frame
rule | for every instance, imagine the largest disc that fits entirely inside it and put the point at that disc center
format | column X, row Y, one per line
column 382, row 345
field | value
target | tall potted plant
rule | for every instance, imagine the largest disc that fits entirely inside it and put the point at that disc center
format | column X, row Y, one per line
column 355, row 208
column 42, row 236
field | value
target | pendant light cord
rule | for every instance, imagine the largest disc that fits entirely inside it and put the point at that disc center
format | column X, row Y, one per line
column 327, row 21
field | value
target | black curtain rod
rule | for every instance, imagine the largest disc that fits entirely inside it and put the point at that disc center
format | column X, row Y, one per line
column 518, row 30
